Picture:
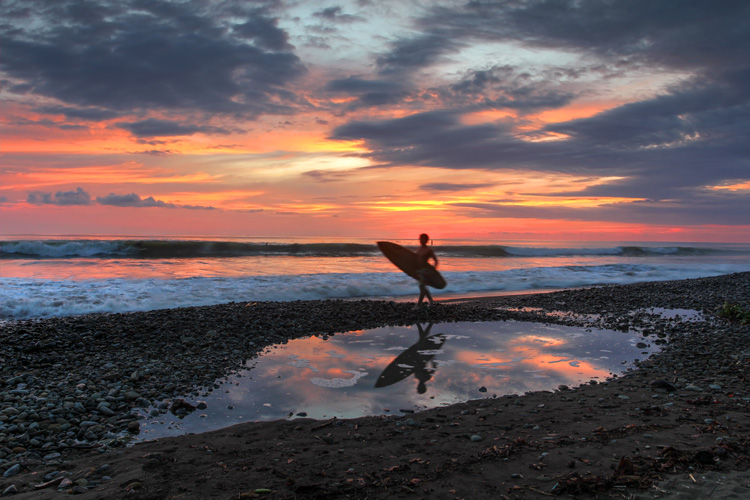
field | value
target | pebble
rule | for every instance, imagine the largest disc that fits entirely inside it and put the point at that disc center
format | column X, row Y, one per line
column 12, row 471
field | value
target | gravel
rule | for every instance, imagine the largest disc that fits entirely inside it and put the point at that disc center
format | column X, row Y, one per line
column 73, row 382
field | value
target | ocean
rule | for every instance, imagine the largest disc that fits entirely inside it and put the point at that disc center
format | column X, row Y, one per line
column 61, row 276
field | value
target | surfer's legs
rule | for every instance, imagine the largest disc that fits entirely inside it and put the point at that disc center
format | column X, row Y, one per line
column 424, row 292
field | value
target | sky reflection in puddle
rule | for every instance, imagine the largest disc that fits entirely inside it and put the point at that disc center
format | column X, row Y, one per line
column 391, row 369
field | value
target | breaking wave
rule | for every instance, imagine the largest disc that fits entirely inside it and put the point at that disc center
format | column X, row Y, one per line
column 168, row 249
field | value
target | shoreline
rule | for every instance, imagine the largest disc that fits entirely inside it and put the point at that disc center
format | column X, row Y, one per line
column 536, row 436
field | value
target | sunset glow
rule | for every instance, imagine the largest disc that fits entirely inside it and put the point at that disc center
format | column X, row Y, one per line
column 464, row 119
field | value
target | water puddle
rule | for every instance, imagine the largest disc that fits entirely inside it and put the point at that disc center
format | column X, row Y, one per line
column 677, row 314
column 394, row 370
column 553, row 314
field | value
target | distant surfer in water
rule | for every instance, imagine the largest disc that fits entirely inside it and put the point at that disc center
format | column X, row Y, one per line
column 424, row 254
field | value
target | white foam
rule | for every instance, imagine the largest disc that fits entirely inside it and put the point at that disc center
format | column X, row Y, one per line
column 22, row 298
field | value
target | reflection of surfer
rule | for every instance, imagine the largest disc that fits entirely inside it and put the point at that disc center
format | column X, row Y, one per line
column 422, row 372
column 417, row 360
column 424, row 254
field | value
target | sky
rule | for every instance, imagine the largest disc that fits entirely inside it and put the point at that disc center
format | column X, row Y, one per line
column 616, row 120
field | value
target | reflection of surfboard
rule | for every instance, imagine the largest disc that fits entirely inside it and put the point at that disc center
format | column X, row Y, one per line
column 406, row 260
column 414, row 358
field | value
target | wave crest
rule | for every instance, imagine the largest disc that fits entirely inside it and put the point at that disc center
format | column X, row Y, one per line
column 167, row 249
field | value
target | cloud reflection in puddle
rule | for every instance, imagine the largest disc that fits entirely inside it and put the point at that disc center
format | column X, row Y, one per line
column 371, row 372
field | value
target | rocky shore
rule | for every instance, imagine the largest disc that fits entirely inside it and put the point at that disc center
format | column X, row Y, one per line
column 69, row 387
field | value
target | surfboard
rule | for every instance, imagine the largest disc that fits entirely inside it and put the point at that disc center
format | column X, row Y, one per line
column 406, row 260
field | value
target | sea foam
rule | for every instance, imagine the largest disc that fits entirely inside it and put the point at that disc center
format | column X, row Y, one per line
column 22, row 298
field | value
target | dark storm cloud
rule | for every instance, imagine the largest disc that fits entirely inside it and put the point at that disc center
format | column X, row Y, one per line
column 408, row 54
column 681, row 34
column 163, row 128
column 134, row 200
column 156, row 152
column 453, row 186
column 356, row 85
column 138, row 55
column 19, row 121
column 71, row 113
column 435, row 138
column 264, row 32
column 62, row 198
column 368, row 92
column 697, row 207
column 505, row 87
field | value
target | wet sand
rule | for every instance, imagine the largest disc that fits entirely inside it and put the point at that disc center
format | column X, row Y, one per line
column 677, row 423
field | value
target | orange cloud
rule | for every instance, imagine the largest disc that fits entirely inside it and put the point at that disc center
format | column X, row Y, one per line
column 732, row 187
column 130, row 172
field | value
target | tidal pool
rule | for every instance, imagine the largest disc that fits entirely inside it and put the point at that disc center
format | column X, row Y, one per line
column 399, row 369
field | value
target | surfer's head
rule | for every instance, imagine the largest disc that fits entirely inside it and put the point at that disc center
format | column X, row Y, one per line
column 423, row 238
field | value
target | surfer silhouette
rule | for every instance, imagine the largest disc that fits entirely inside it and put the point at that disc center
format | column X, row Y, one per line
column 424, row 254
column 416, row 265
column 416, row 360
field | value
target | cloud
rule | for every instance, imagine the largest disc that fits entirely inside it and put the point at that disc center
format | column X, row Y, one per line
column 666, row 147
column 369, row 92
column 505, row 87
column 453, row 186
column 264, row 31
column 335, row 14
column 73, row 113
column 329, row 175
column 3, row 199
column 165, row 128
column 699, row 207
column 435, row 138
column 62, row 198
column 123, row 56
column 669, row 147
column 134, row 200
column 44, row 122
column 155, row 152
column 693, row 34
column 423, row 50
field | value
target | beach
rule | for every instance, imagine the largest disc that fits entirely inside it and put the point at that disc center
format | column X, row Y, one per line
column 680, row 420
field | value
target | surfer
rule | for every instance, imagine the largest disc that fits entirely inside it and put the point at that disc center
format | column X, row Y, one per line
column 424, row 254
